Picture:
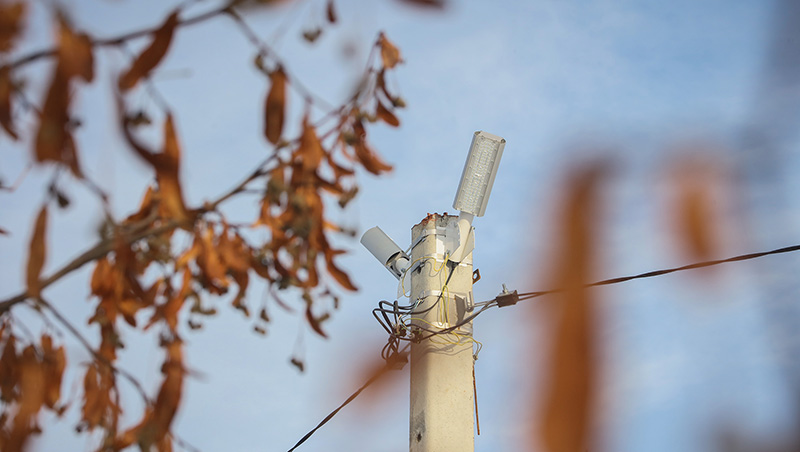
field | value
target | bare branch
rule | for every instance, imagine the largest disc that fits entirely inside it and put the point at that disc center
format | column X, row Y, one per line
column 97, row 356
column 115, row 41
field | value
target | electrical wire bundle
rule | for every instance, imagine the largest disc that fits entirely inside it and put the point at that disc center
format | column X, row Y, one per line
column 402, row 323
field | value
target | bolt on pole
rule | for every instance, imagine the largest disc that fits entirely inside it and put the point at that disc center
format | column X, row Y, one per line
column 442, row 403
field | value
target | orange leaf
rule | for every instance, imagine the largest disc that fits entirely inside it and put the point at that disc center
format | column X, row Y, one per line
column 92, row 410
column 167, row 173
column 37, row 253
column 175, row 303
column 234, row 252
column 31, row 400
column 275, row 106
column 166, row 165
column 210, row 260
column 389, row 53
column 387, row 116
column 145, row 207
column 369, row 366
column 340, row 276
column 190, row 255
column 11, row 15
column 9, row 370
column 75, row 53
column 242, row 280
column 103, row 280
column 368, row 159
column 697, row 224
column 571, row 373
column 5, row 102
column 314, row 322
column 310, row 150
column 152, row 55
column 54, row 362
column 51, row 137
column 157, row 421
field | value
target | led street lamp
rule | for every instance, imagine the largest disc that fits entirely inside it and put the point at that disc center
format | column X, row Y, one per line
column 474, row 189
column 479, row 172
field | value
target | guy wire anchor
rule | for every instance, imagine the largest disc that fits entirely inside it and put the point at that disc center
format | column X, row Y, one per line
column 506, row 298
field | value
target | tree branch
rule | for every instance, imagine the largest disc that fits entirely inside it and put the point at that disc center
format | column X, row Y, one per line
column 97, row 356
column 96, row 252
column 115, row 41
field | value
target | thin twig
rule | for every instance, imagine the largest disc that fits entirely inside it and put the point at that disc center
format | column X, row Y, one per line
column 267, row 50
column 19, row 180
column 117, row 40
column 97, row 356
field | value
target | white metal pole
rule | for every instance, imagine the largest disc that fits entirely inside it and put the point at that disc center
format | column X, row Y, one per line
column 442, row 404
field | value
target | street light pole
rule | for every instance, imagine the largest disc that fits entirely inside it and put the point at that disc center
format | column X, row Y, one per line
column 441, row 415
column 440, row 274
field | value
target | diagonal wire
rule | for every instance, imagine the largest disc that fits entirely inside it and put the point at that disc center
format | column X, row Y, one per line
column 650, row 274
column 375, row 377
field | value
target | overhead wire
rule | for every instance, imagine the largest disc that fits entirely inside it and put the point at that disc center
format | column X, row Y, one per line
column 375, row 377
column 651, row 274
column 398, row 311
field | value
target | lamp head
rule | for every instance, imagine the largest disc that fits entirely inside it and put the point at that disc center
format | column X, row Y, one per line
column 479, row 172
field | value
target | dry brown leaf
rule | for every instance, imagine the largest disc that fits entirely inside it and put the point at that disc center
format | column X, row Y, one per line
column 275, row 106
column 330, row 12
column 210, row 260
column 11, row 23
column 695, row 214
column 54, row 141
column 54, row 362
column 364, row 154
column 190, row 255
column 390, row 55
column 74, row 53
column 37, row 253
column 159, row 419
column 104, row 281
column 92, row 410
column 9, row 370
column 386, row 115
column 152, row 55
column 166, row 165
column 314, row 322
column 385, row 381
column 242, row 280
column 310, row 150
column 175, row 303
column 569, row 390
column 31, row 400
column 339, row 275
column 145, row 207
column 5, row 102
column 51, row 136
column 235, row 254
column 167, row 174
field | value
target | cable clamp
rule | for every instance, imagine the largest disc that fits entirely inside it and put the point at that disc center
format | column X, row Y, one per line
column 506, row 298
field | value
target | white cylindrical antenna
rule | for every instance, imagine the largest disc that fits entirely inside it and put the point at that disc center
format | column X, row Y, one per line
column 386, row 251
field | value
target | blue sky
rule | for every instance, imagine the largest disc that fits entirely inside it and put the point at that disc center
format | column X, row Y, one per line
column 561, row 82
